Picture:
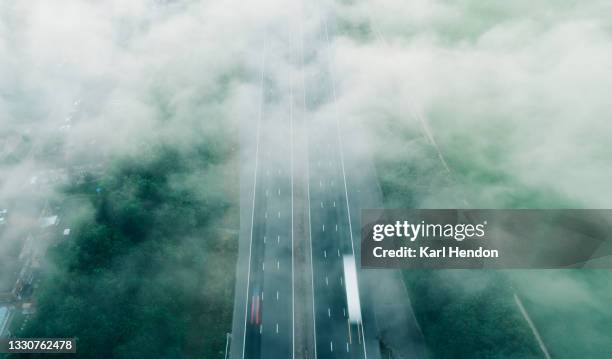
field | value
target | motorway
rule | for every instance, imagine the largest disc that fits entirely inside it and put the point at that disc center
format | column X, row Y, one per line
column 290, row 292
column 268, row 314
column 331, row 226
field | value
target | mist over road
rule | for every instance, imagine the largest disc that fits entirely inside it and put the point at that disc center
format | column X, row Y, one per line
column 296, row 203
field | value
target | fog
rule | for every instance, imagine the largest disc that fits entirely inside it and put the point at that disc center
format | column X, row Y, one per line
column 513, row 91
column 515, row 96
column 84, row 83
column 505, row 104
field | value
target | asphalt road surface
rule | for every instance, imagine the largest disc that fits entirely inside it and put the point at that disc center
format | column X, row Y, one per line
column 293, row 162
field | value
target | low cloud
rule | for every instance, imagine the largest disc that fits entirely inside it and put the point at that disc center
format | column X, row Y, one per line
column 509, row 90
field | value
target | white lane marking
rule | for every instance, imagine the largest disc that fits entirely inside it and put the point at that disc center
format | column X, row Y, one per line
column 278, row 214
column 262, row 295
column 336, row 228
column 278, row 239
column 338, row 253
column 334, row 204
column 321, row 204
column 279, row 191
column 347, row 347
column 325, row 253
column 341, row 147
column 331, row 346
column 276, row 328
column 320, row 183
column 323, row 228
column 344, row 312
column 360, row 326
column 276, row 295
column 314, row 320
column 277, row 264
column 292, row 170
column 264, row 239
column 326, row 280
column 260, row 328
column 263, row 266
column 329, row 312
column 341, row 283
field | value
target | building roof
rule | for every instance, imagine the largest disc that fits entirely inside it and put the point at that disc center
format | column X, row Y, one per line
column 48, row 221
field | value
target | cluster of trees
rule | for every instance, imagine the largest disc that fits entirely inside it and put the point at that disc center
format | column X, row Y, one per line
column 149, row 271
column 462, row 313
column 469, row 314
